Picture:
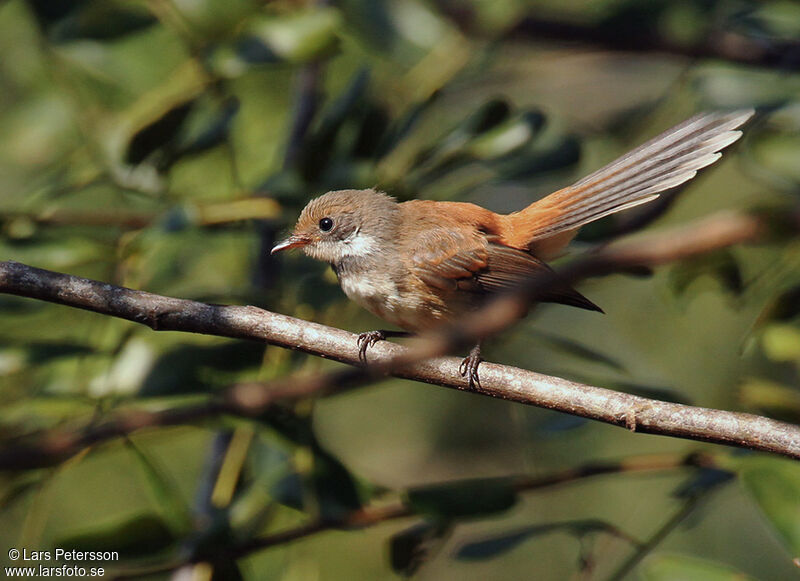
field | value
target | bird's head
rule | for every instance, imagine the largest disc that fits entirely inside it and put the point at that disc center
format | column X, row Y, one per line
column 345, row 223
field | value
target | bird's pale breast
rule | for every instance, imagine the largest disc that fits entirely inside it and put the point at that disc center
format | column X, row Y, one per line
column 379, row 294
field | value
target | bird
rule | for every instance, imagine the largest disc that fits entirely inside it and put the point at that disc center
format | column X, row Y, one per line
column 421, row 263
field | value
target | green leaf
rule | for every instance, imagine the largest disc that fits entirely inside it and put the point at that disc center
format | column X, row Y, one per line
column 506, row 137
column 469, row 498
column 781, row 342
column 493, row 546
column 157, row 134
column 684, row 568
column 775, row 399
column 301, row 36
column 200, row 368
column 410, row 548
column 774, row 484
column 165, row 492
column 578, row 350
column 101, row 20
column 784, row 307
column 143, row 534
column 721, row 265
column 336, row 489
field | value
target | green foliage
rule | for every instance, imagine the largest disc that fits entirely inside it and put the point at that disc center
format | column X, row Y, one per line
column 672, row 567
column 775, row 487
column 165, row 144
column 463, row 499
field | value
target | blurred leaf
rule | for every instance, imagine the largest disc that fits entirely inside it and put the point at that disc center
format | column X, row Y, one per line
column 200, row 368
column 781, row 342
column 506, row 138
column 722, row 265
column 42, row 352
column 297, row 37
column 777, row 400
column 374, row 125
column 403, row 125
column 19, row 485
column 211, row 19
column 158, row 134
column 779, row 19
column 662, row 567
column 268, row 465
column 335, row 490
column 784, row 307
column 97, row 19
column 167, row 496
column 702, row 481
column 319, row 145
column 776, row 152
column 143, row 534
column 410, row 548
column 226, row 569
column 470, row 498
column 537, row 158
column 127, row 372
column 210, row 128
column 774, row 484
column 496, row 545
column 289, row 491
column 485, row 118
column 576, row 349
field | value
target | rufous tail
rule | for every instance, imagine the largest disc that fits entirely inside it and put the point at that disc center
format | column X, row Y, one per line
column 666, row 161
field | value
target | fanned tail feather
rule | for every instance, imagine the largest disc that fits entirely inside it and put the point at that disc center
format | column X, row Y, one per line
column 664, row 162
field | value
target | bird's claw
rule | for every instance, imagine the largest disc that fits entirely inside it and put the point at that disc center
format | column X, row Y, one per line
column 469, row 367
column 367, row 340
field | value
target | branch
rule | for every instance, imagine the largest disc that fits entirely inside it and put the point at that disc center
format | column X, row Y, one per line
column 720, row 44
column 625, row 35
column 380, row 513
column 513, row 384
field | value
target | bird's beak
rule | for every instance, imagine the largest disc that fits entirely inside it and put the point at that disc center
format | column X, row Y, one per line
column 292, row 241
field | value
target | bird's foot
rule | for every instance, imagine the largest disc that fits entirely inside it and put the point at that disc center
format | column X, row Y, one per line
column 469, row 367
column 368, row 339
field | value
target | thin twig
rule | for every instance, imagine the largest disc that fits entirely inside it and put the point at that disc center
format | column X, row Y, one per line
column 655, row 539
column 374, row 515
column 718, row 43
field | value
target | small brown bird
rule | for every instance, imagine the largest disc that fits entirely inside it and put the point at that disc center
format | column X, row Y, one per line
column 419, row 263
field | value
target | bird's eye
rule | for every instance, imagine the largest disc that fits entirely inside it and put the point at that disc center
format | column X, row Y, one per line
column 325, row 224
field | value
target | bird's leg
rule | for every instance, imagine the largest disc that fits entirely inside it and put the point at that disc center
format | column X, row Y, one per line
column 368, row 339
column 469, row 366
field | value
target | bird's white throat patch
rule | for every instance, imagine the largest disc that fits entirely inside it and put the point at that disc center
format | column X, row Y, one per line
column 358, row 244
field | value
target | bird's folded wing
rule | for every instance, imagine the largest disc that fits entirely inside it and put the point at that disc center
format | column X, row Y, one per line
column 468, row 261
column 448, row 259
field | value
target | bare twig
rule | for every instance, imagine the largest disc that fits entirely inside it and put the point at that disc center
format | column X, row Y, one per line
column 720, row 44
column 621, row 409
column 687, row 506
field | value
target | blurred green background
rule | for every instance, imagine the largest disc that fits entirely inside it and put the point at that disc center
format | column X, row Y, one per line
column 165, row 144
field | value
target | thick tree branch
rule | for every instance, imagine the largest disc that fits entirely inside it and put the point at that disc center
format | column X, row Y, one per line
column 621, row 409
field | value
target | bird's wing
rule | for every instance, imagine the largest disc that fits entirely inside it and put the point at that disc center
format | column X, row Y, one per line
column 448, row 258
column 466, row 260
column 639, row 176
